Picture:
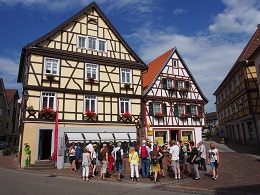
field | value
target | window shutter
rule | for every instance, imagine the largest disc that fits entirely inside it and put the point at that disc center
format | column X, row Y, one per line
column 187, row 84
column 164, row 83
column 188, row 110
column 150, row 108
column 200, row 110
column 176, row 113
column 176, row 83
column 164, row 109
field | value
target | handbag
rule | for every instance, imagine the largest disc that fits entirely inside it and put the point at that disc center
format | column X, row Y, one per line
column 198, row 158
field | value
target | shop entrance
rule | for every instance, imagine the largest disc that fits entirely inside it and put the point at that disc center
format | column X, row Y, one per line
column 45, row 144
column 174, row 135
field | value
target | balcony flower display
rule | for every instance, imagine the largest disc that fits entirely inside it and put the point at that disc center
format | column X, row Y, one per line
column 126, row 115
column 159, row 115
column 127, row 85
column 174, row 88
column 184, row 116
column 47, row 111
column 184, row 89
column 91, row 79
column 50, row 76
column 196, row 116
column 90, row 113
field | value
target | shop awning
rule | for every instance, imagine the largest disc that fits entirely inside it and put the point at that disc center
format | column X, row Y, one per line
column 91, row 136
column 121, row 136
column 75, row 137
column 106, row 136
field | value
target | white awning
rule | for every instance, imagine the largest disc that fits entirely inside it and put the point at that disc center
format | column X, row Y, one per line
column 106, row 136
column 121, row 136
column 132, row 136
column 91, row 136
column 75, row 137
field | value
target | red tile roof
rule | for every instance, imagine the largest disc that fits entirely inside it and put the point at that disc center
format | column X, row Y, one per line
column 10, row 94
column 155, row 69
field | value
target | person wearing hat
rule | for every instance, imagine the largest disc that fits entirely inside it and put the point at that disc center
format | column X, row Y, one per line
column 144, row 152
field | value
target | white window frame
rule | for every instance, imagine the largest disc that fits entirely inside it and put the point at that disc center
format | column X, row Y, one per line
column 181, row 85
column 84, row 39
column 90, row 44
column 193, row 110
column 105, row 45
column 181, row 109
column 92, row 68
column 48, row 60
column 48, row 95
column 157, row 108
column 127, row 72
column 124, row 101
column 170, row 83
column 92, row 100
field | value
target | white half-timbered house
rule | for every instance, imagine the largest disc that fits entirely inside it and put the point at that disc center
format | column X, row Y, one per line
column 174, row 102
column 84, row 73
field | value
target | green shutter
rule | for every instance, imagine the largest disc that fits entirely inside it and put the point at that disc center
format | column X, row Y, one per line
column 176, row 113
column 187, row 84
column 164, row 83
column 164, row 109
column 200, row 110
column 150, row 108
column 176, row 83
column 188, row 110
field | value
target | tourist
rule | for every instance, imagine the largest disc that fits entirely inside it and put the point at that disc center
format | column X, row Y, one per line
column 118, row 155
column 86, row 163
column 144, row 153
column 174, row 152
column 213, row 160
column 154, row 159
column 104, row 161
column 203, row 156
column 110, row 148
column 72, row 157
column 194, row 162
column 134, row 163
column 94, row 159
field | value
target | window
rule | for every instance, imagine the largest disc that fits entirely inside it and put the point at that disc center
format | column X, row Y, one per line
column 8, row 112
column 157, row 108
column 170, row 83
column 6, row 125
column 51, row 66
column 235, row 106
column 124, row 105
column 193, row 110
column 81, row 42
column 101, row 45
column 48, row 100
column 237, row 79
column 90, row 103
column 230, row 108
column 180, row 84
column 126, row 75
column 1, row 111
column 181, row 109
column 174, row 63
column 92, row 43
column 91, row 71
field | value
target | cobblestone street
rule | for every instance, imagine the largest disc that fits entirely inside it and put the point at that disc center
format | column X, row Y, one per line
column 239, row 173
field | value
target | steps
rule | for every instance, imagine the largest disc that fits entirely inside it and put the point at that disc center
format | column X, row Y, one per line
column 41, row 165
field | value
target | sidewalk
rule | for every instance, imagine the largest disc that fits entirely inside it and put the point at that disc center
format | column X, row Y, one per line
column 239, row 173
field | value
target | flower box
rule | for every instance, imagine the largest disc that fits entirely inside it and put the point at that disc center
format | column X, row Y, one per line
column 126, row 115
column 158, row 115
column 50, row 76
column 47, row 111
column 196, row 117
column 90, row 79
column 127, row 85
column 183, row 89
column 90, row 113
column 184, row 116
column 173, row 88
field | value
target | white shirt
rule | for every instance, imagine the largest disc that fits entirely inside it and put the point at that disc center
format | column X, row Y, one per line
column 90, row 147
column 213, row 155
column 115, row 150
column 203, row 151
column 174, row 151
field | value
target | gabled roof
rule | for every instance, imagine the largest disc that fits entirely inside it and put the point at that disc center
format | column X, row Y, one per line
column 3, row 91
column 157, row 66
column 10, row 93
column 247, row 52
column 93, row 5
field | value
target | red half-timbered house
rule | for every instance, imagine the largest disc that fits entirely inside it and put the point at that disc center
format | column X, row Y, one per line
column 174, row 107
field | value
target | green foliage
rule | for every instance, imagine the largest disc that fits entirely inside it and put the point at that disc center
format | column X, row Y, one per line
column 10, row 150
column 209, row 134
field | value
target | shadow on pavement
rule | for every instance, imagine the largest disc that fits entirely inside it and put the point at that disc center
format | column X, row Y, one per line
column 249, row 189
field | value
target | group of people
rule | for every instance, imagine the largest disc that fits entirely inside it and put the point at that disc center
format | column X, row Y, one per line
column 182, row 155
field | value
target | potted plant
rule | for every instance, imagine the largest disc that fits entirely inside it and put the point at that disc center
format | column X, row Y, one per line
column 50, row 76
column 184, row 89
column 159, row 115
column 196, row 117
column 47, row 111
column 209, row 135
column 90, row 113
column 174, row 88
column 126, row 117
column 184, row 116
column 91, row 80
column 127, row 85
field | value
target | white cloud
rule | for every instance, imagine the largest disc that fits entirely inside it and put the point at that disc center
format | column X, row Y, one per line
column 238, row 17
column 179, row 11
column 9, row 72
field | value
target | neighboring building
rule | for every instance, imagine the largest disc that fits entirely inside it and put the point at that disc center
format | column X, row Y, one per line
column 86, row 69
column 174, row 102
column 9, row 114
column 237, row 98
column 211, row 119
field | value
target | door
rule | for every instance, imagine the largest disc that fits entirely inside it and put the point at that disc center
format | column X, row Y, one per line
column 45, row 144
column 174, row 135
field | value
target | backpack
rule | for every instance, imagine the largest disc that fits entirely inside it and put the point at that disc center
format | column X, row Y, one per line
column 181, row 154
column 143, row 152
column 154, row 160
column 118, row 156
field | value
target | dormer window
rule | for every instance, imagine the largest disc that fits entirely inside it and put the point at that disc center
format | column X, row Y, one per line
column 92, row 43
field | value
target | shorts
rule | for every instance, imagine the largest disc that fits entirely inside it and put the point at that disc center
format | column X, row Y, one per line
column 175, row 164
column 94, row 161
column 119, row 167
column 72, row 158
column 214, row 165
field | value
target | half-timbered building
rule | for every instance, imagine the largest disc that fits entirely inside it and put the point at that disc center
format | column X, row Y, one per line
column 237, row 97
column 174, row 101
column 84, row 74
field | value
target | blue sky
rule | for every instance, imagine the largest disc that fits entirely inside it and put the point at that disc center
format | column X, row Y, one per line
column 209, row 34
